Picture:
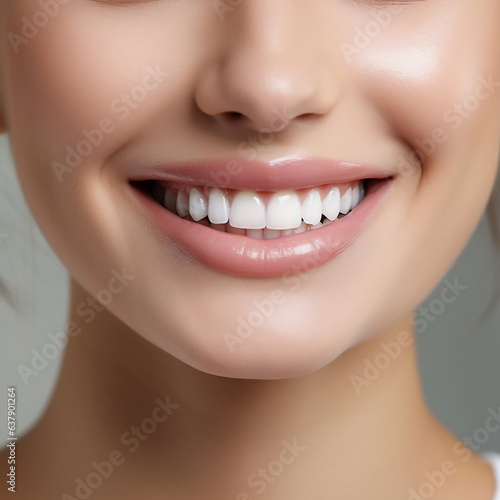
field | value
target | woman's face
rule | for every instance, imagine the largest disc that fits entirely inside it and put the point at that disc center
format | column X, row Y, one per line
column 96, row 94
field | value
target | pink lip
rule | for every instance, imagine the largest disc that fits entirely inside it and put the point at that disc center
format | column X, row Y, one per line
column 245, row 256
column 240, row 173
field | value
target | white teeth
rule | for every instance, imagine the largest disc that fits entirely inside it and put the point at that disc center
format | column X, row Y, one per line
column 355, row 197
column 311, row 208
column 218, row 207
column 301, row 229
column 255, row 233
column 247, row 211
column 170, row 200
column 198, row 206
column 247, row 214
column 270, row 234
column 182, row 204
column 235, row 230
column 331, row 204
column 283, row 211
column 345, row 201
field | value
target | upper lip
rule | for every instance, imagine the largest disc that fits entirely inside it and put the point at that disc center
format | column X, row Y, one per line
column 244, row 174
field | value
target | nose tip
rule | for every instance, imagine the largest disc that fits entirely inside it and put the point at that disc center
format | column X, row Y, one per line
column 263, row 72
column 235, row 98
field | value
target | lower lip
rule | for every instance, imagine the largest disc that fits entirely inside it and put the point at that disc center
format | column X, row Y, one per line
column 251, row 257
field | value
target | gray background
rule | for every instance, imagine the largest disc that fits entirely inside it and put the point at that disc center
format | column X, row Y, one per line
column 460, row 359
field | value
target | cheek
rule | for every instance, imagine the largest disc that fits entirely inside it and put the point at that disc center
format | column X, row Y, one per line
column 67, row 83
column 434, row 75
column 67, row 79
column 425, row 62
column 435, row 81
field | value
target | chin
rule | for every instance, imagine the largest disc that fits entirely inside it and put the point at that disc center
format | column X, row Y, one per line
column 259, row 364
column 272, row 352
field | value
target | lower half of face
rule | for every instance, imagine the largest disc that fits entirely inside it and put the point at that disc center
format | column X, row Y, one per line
column 272, row 272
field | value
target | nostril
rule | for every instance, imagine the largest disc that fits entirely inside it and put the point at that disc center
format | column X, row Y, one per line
column 234, row 120
column 232, row 116
column 307, row 116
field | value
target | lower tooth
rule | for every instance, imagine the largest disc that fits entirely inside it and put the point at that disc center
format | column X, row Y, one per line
column 301, row 229
column 255, row 233
column 235, row 230
column 271, row 233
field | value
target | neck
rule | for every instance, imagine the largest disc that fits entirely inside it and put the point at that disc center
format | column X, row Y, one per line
column 339, row 430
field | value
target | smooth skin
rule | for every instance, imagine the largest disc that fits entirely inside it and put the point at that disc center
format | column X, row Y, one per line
column 222, row 74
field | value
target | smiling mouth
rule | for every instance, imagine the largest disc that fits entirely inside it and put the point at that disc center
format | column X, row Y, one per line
column 260, row 219
column 257, row 214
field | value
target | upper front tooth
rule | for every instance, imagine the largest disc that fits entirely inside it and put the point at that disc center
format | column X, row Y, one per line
column 182, row 204
column 247, row 211
column 311, row 208
column 283, row 211
column 345, row 201
column 198, row 206
column 355, row 196
column 218, row 207
column 331, row 204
